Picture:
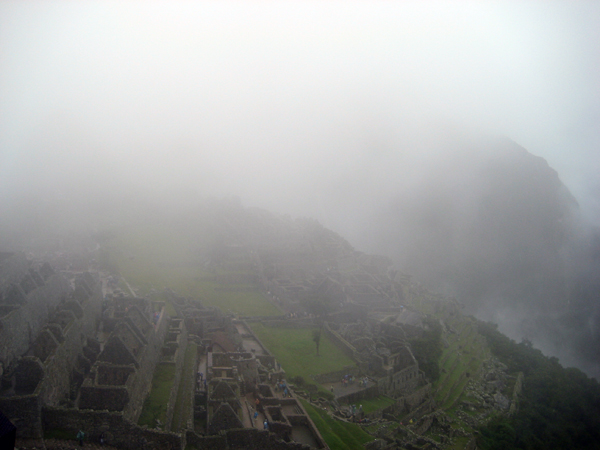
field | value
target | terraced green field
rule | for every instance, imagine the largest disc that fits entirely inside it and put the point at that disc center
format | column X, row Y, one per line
column 338, row 435
column 155, row 258
column 461, row 360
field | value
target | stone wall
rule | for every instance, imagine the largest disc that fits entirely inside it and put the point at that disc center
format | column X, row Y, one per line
column 24, row 411
column 255, row 337
column 342, row 343
column 241, row 439
column 334, row 377
column 20, row 326
column 405, row 379
column 206, row 442
column 59, row 365
column 147, row 363
column 118, row 431
column 356, row 397
column 411, row 402
column 34, row 381
column 122, row 381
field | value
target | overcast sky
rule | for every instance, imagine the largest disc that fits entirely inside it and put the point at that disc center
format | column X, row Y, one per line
column 270, row 101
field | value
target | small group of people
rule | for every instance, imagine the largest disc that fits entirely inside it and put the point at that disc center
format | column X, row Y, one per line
column 282, row 386
column 346, row 380
column 350, row 379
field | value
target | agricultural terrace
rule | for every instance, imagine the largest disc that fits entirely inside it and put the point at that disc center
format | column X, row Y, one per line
column 337, row 434
column 156, row 258
column 465, row 353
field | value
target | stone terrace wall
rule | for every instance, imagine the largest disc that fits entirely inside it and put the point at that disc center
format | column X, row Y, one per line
column 411, row 403
column 241, row 439
column 148, row 361
column 342, row 343
column 334, row 377
column 249, row 438
column 24, row 411
column 119, row 432
column 356, row 397
column 255, row 337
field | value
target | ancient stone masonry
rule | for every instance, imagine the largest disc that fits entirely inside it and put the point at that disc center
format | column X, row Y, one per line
column 121, row 376
column 63, row 314
column 29, row 294
column 380, row 350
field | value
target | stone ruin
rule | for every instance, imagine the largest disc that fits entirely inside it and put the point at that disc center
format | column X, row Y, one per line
column 47, row 336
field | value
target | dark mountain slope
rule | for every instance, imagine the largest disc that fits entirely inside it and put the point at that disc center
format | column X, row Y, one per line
column 494, row 226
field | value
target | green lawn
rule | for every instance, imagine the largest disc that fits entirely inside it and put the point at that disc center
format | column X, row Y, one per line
column 155, row 406
column 337, row 434
column 296, row 351
column 374, row 404
column 184, row 395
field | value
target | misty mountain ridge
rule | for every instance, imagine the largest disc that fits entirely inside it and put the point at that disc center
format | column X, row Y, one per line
column 484, row 221
column 505, row 237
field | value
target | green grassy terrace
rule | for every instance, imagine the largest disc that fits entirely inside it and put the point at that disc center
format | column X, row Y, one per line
column 155, row 258
column 337, row 434
column 464, row 355
column 155, row 406
column 377, row 403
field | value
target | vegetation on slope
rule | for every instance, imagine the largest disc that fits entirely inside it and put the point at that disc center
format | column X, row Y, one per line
column 337, row 434
column 559, row 408
column 427, row 349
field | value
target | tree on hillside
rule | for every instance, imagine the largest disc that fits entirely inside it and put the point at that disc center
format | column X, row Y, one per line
column 316, row 337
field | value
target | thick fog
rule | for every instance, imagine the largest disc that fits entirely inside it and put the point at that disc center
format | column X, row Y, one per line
column 341, row 111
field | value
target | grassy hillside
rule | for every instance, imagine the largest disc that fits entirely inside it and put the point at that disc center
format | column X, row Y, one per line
column 154, row 257
column 338, row 435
